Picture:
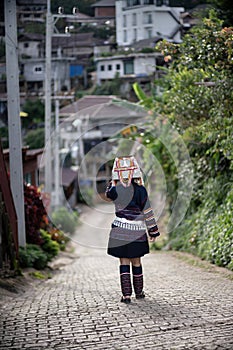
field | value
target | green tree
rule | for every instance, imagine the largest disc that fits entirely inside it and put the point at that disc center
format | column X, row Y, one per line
column 35, row 110
column 197, row 100
column 225, row 10
column 35, row 138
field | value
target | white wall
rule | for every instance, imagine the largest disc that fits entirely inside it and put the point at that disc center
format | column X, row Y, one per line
column 32, row 50
column 144, row 65
column 34, row 70
column 153, row 19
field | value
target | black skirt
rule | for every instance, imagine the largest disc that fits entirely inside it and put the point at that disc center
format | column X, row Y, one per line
column 127, row 248
column 130, row 250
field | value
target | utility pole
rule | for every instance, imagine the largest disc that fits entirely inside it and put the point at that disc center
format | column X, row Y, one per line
column 51, row 31
column 56, row 146
column 48, row 157
column 14, row 123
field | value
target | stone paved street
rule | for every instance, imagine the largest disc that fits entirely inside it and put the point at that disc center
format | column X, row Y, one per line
column 186, row 307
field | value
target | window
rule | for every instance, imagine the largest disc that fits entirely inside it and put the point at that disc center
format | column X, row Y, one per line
column 124, row 21
column 102, row 68
column 26, row 45
column 118, row 66
column 135, row 35
column 149, row 33
column 148, row 18
column 148, row 2
column 129, row 67
column 133, row 2
column 134, row 19
column 109, row 67
column 125, row 36
column 38, row 69
column 162, row 2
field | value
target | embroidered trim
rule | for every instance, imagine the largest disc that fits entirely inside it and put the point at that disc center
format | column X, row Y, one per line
column 129, row 224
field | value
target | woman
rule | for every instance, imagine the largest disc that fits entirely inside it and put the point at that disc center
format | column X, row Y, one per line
column 134, row 216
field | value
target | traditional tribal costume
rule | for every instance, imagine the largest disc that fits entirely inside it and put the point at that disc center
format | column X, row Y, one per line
column 134, row 216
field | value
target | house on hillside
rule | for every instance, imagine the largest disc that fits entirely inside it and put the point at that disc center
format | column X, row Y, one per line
column 31, row 159
column 132, row 66
column 79, row 48
column 92, row 123
column 33, row 75
column 31, row 45
column 31, row 10
column 96, row 118
column 142, row 19
column 105, row 10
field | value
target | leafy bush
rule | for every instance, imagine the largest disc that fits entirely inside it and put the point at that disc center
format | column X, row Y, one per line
column 49, row 246
column 32, row 256
column 35, row 214
column 208, row 233
column 35, row 138
column 65, row 220
column 86, row 195
column 59, row 236
column 197, row 101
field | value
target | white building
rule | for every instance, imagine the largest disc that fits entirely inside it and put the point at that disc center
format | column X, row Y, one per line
column 143, row 19
column 134, row 65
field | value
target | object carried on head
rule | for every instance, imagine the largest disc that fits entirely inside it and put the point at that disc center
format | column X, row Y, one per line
column 125, row 169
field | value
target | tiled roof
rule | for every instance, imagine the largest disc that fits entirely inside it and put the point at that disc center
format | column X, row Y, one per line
column 104, row 3
column 146, row 43
column 31, row 36
column 85, row 102
column 108, row 111
column 76, row 40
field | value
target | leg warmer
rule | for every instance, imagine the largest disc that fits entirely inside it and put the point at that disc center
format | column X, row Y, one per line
column 137, row 279
column 126, row 286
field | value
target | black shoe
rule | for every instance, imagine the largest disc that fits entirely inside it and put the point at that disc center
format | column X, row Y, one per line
column 126, row 300
column 140, row 296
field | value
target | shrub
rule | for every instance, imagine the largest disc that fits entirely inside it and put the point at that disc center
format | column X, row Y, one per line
column 49, row 246
column 86, row 195
column 65, row 220
column 35, row 214
column 208, row 233
column 32, row 256
column 35, row 138
column 59, row 236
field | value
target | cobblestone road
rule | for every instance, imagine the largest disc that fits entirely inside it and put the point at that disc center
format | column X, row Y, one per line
column 186, row 307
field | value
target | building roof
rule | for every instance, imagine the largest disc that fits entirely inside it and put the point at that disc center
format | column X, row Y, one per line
column 76, row 40
column 110, row 111
column 31, row 2
column 31, row 37
column 104, row 3
column 141, row 44
column 85, row 102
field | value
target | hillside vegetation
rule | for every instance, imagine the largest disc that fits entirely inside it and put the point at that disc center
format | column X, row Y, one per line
column 197, row 100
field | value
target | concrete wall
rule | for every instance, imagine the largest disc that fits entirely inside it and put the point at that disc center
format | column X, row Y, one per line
column 143, row 65
column 142, row 22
